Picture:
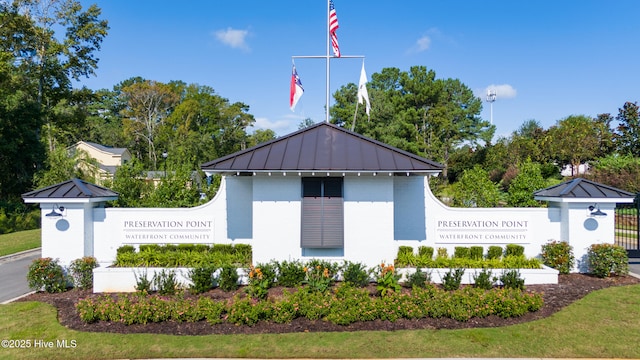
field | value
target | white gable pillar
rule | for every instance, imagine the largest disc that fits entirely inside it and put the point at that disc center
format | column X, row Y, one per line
column 587, row 214
column 67, row 218
column 582, row 226
column 67, row 230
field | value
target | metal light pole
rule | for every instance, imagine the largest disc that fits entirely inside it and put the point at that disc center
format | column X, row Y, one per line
column 491, row 98
column 165, row 154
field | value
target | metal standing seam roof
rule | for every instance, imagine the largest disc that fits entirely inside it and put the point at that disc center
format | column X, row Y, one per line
column 70, row 189
column 581, row 188
column 323, row 147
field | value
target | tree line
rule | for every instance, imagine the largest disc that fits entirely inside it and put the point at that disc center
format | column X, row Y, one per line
column 46, row 44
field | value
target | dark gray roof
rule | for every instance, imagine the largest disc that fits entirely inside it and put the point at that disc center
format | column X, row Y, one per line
column 323, row 147
column 108, row 149
column 71, row 189
column 581, row 188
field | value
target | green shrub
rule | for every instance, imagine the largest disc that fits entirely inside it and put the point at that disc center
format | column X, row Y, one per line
column 169, row 248
column 149, row 247
column 355, row 274
column 405, row 257
column 607, row 259
column 186, row 247
column 228, row 279
column 558, row 255
column 153, row 255
column 343, row 306
column 143, row 284
column 201, row 279
column 483, row 279
column 82, row 272
column 514, row 250
column 494, row 252
column 211, row 310
column 125, row 249
column 243, row 311
column 418, row 279
column 476, row 252
column 452, row 279
column 461, row 252
column 201, row 248
column 46, row 274
column 243, row 253
column 442, row 253
column 166, row 282
column 511, row 279
column 223, row 248
column 425, row 252
column 290, row 273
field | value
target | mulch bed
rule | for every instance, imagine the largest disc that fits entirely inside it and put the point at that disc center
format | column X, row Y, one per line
column 570, row 288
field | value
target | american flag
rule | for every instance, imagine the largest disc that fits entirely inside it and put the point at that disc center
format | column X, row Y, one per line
column 333, row 26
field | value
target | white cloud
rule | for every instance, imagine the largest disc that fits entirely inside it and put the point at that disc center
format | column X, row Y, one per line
column 423, row 44
column 503, row 91
column 280, row 127
column 233, row 38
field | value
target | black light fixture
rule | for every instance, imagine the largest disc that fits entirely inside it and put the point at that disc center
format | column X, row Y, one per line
column 596, row 212
column 56, row 211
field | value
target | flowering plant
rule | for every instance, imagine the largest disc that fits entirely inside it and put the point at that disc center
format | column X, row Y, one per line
column 258, row 287
column 318, row 276
column 46, row 274
column 387, row 279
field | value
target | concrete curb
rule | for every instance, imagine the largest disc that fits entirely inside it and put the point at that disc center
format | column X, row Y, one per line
column 17, row 298
column 19, row 254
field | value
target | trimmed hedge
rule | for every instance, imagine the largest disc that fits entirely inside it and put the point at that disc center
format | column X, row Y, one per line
column 343, row 306
column 183, row 255
column 468, row 257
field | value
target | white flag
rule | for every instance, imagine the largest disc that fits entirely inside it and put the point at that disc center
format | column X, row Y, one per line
column 363, row 94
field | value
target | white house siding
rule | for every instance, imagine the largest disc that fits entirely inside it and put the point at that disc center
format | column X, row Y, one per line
column 276, row 218
column 368, row 219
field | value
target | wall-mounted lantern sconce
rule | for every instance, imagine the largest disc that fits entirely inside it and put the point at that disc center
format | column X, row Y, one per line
column 56, row 211
column 594, row 211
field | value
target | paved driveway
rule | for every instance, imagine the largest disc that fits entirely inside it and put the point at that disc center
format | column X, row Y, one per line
column 13, row 274
column 634, row 266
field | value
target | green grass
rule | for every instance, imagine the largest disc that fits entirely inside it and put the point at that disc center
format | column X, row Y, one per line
column 603, row 324
column 19, row 241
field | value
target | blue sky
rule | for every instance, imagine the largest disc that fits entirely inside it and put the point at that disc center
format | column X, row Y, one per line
column 546, row 59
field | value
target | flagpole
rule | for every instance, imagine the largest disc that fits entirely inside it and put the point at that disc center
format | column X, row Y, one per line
column 326, row 110
column 353, row 125
column 327, row 57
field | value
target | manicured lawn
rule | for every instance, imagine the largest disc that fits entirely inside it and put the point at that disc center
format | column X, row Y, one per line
column 603, row 324
column 19, row 241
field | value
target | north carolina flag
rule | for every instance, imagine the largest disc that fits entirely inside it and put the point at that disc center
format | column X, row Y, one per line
column 333, row 26
column 296, row 90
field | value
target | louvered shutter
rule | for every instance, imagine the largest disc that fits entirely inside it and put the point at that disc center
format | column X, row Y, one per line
column 322, row 213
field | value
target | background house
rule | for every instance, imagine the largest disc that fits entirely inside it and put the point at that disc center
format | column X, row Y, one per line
column 107, row 159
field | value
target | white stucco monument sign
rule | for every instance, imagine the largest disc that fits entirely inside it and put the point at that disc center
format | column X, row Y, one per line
column 323, row 192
